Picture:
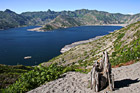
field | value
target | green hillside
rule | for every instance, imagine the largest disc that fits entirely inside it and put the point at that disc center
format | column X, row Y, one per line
column 61, row 21
column 122, row 45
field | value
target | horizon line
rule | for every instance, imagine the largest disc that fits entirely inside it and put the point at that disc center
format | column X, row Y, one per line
column 70, row 10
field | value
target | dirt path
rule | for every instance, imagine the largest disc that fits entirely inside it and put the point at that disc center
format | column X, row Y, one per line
column 127, row 80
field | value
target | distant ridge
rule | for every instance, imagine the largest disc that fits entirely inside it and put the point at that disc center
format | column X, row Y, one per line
column 9, row 19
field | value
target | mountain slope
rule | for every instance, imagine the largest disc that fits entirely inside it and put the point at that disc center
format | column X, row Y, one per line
column 9, row 19
column 87, row 17
column 84, row 16
column 122, row 45
column 61, row 22
column 40, row 18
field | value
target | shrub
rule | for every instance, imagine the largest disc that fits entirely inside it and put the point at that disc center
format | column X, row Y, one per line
column 34, row 78
column 113, row 54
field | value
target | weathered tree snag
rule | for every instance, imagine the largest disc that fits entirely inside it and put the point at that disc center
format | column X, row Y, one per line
column 101, row 76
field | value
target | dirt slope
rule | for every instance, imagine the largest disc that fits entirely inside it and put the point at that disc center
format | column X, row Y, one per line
column 127, row 80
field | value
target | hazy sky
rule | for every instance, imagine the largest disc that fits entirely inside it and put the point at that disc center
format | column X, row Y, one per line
column 113, row 6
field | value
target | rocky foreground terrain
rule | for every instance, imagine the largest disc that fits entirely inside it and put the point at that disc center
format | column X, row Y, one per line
column 127, row 80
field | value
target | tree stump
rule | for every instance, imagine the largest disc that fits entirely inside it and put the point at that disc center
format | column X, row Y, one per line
column 101, row 76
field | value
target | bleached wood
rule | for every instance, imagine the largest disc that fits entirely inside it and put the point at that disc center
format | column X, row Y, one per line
column 101, row 75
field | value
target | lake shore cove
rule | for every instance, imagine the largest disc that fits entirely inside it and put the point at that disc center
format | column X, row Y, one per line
column 122, row 45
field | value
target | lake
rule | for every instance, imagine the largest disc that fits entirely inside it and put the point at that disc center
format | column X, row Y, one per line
column 17, row 43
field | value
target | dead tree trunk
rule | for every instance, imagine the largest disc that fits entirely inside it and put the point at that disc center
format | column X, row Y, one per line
column 101, row 76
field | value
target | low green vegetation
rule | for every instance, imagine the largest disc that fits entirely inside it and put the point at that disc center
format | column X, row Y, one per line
column 9, row 74
column 48, row 27
column 40, row 75
column 126, row 53
column 130, row 51
column 34, row 78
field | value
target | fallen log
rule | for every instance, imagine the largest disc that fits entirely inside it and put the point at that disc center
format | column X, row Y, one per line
column 101, row 76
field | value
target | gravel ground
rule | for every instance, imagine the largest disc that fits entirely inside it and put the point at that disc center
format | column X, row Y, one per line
column 127, row 80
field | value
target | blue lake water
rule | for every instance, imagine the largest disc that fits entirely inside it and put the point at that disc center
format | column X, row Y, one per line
column 16, row 43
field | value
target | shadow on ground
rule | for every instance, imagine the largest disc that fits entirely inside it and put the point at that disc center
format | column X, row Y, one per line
column 125, row 83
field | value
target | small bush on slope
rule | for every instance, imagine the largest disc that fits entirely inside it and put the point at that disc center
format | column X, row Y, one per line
column 38, row 76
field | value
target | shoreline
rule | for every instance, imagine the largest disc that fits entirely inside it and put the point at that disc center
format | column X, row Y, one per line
column 123, row 25
column 37, row 29
column 74, row 44
column 69, row 46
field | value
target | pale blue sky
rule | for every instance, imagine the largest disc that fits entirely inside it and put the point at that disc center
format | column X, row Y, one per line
column 113, row 6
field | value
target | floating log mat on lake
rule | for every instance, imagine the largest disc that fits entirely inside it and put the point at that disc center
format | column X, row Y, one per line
column 101, row 76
